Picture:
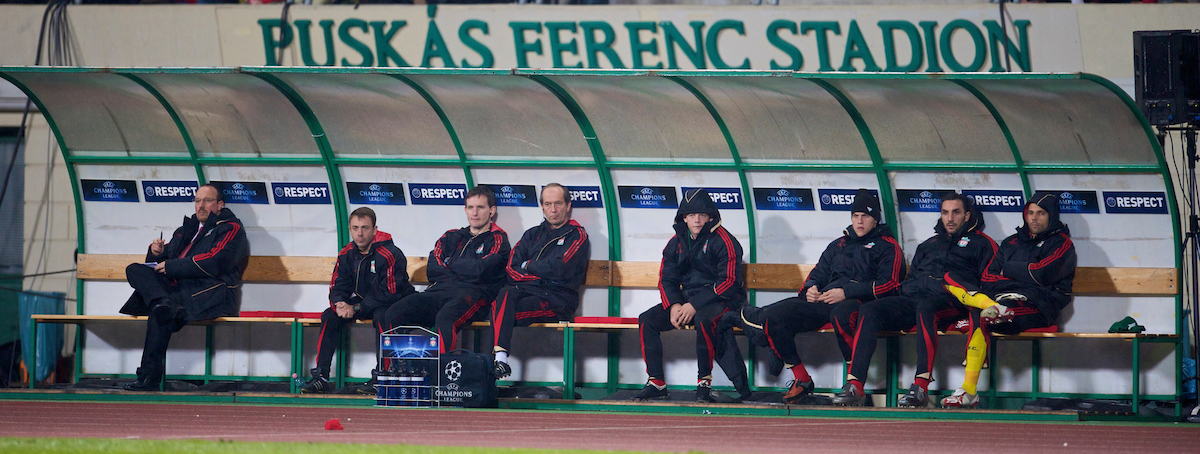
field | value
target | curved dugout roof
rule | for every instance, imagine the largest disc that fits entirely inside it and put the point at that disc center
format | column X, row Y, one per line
column 715, row 120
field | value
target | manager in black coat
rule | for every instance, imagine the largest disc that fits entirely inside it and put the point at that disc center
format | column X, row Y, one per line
column 196, row 276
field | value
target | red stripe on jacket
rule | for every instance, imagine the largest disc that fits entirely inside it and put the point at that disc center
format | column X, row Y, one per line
column 730, row 267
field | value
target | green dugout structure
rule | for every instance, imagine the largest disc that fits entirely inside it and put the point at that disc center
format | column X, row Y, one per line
column 783, row 147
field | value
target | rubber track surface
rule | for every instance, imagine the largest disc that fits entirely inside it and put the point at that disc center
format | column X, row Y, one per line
column 598, row 431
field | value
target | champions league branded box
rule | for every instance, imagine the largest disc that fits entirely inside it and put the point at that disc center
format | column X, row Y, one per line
column 408, row 363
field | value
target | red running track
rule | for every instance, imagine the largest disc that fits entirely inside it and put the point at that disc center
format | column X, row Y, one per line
column 598, row 431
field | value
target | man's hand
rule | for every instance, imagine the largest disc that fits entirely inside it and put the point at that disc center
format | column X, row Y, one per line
column 812, row 295
column 343, row 310
column 161, row 267
column 157, row 246
column 833, row 296
column 681, row 314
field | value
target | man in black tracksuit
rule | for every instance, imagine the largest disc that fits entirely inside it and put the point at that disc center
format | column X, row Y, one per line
column 864, row 265
column 197, row 277
column 1028, row 286
column 699, row 281
column 465, row 269
column 959, row 244
column 371, row 274
column 545, row 270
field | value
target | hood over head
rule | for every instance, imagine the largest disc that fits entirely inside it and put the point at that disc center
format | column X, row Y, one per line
column 696, row 201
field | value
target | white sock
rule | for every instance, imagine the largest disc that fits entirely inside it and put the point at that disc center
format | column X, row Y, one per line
column 502, row 357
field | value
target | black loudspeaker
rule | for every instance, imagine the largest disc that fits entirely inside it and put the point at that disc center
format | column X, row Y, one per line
column 1156, row 56
column 1189, row 75
column 1167, row 75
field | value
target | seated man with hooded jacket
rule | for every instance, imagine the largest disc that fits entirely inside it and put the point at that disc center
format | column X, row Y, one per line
column 700, row 280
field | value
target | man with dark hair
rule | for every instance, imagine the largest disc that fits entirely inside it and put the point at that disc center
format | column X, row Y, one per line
column 195, row 277
column 863, row 265
column 699, row 281
column 545, row 270
column 959, row 245
column 466, row 268
column 370, row 276
column 1028, row 285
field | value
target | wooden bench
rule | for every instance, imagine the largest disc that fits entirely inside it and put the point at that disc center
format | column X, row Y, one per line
column 1089, row 281
column 617, row 274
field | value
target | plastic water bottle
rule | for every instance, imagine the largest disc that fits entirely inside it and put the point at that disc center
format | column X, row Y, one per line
column 383, row 389
column 407, row 390
column 423, row 392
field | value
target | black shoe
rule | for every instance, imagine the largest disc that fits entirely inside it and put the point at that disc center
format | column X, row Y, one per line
column 849, row 396
column 317, row 385
column 916, row 398
column 146, row 381
column 752, row 325
column 501, row 369
column 167, row 310
column 704, row 393
column 798, row 390
column 651, row 392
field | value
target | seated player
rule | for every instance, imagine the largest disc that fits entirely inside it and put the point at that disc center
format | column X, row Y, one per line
column 545, row 270
column 863, row 265
column 371, row 274
column 700, row 280
column 1035, row 269
column 466, row 268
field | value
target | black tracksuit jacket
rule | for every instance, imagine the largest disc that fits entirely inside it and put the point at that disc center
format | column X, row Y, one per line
column 967, row 254
column 551, row 263
column 1041, row 267
column 379, row 277
column 702, row 271
column 865, row 268
column 460, row 260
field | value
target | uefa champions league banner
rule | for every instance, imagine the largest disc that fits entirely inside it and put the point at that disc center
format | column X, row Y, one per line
column 375, row 193
column 648, row 197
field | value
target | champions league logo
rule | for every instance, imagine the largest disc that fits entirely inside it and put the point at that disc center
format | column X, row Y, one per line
column 647, row 196
column 920, row 200
column 783, row 199
column 375, row 193
column 515, row 195
column 453, row 370
column 110, row 190
column 243, row 192
column 1078, row 202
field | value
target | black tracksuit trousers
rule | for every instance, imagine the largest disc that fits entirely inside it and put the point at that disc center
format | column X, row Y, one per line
column 927, row 313
column 445, row 310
